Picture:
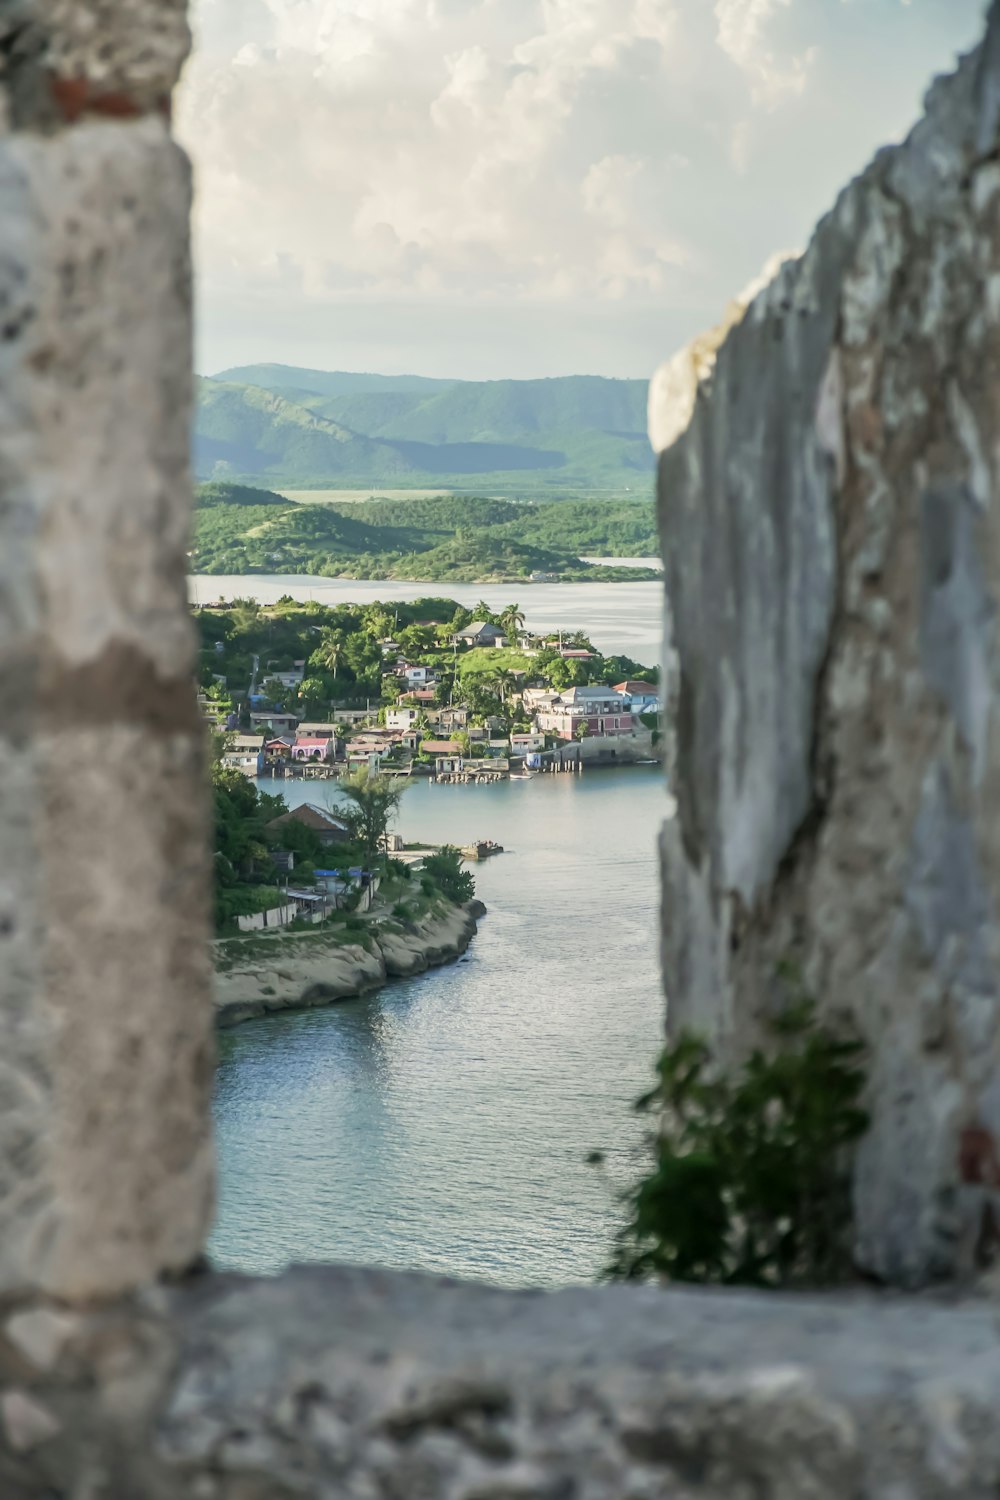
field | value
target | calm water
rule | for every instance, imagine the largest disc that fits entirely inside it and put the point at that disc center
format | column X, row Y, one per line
column 622, row 619
column 442, row 1125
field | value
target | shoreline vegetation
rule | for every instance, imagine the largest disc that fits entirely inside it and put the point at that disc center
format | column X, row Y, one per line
column 444, row 539
column 268, row 973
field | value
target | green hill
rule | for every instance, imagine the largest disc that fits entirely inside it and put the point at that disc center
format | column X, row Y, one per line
column 305, row 428
column 239, row 529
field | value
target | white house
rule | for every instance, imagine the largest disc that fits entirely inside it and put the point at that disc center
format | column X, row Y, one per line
column 400, row 717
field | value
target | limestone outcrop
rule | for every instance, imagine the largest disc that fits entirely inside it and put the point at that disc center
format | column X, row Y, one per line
column 256, row 976
column 831, row 531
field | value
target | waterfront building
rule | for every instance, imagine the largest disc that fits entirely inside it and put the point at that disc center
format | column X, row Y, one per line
column 604, row 712
column 313, row 747
column 644, row 697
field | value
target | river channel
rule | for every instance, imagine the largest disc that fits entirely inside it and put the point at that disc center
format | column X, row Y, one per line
column 443, row 1124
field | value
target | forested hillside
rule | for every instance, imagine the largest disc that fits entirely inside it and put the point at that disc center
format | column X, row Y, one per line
column 240, row 529
column 573, row 435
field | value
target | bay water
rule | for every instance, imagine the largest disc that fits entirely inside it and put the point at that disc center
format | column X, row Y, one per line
column 444, row 1123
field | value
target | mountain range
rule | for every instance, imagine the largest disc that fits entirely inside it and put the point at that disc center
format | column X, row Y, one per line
column 575, row 435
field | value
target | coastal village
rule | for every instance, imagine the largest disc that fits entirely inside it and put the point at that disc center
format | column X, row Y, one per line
column 372, row 698
column 479, row 698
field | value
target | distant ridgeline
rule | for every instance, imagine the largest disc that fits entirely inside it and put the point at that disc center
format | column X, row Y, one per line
column 576, row 434
column 239, row 529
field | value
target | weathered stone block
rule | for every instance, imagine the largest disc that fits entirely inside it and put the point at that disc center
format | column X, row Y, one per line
column 62, row 59
column 105, row 1172
column 832, row 548
column 332, row 1383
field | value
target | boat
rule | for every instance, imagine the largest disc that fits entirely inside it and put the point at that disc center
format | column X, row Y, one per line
column 521, row 776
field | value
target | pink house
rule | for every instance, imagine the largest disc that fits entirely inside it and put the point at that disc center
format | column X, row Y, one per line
column 312, row 747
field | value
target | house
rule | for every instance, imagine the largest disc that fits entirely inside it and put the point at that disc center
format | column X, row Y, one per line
column 534, row 698
column 418, row 695
column 644, row 697
column 523, row 743
column 313, row 747
column 280, row 723
column 279, row 748
column 331, row 830
column 245, row 752
column 290, row 678
column 319, row 731
column 575, row 653
column 349, row 716
column 418, row 676
column 447, row 755
column 400, row 717
column 453, row 717
column 370, row 749
column 479, row 633
column 603, row 711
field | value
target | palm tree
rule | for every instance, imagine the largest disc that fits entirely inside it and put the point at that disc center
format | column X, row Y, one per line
column 331, row 649
column 482, row 611
column 512, row 620
column 504, row 680
column 374, row 801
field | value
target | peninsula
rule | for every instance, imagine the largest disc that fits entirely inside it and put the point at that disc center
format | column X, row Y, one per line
column 423, row 688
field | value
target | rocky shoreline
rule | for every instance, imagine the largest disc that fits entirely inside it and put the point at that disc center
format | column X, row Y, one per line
column 261, row 975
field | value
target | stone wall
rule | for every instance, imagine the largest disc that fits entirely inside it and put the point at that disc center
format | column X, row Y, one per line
column 831, row 538
column 105, row 1069
column 831, row 556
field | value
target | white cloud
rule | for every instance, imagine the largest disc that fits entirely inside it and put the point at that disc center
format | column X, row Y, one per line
column 743, row 36
column 511, row 153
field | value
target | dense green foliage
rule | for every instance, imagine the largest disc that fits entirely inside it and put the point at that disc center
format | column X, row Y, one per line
column 750, row 1182
column 242, row 530
column 518, row 437
column 344, row 661
column 445, row 872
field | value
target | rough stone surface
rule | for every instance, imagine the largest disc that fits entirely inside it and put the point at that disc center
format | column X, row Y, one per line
column 105, row 1071
column 299, row 970
column 832, row 547
column 336, row 1383
column 63, row 59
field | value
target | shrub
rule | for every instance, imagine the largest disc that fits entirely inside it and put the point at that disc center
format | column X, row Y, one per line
column 445, row 873
column 750, row 1181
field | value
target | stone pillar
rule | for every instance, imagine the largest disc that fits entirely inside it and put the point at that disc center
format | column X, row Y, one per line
column 105, row 1064
column 831, row 531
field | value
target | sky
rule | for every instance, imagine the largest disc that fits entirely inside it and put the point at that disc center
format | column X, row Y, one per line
column 483, row 189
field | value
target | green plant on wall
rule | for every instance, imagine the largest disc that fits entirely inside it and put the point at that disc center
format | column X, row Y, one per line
column 750, row 1178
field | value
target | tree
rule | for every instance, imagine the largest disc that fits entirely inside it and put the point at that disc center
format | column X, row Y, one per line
column 373, row 802
column 482, row 611
column 512, row 620
column 330, row 650
column 581, row 731
column 246, row 614
column 505, row 681
column 444, row 870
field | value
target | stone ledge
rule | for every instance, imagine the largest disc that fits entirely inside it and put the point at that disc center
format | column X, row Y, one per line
column 341, row 1382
